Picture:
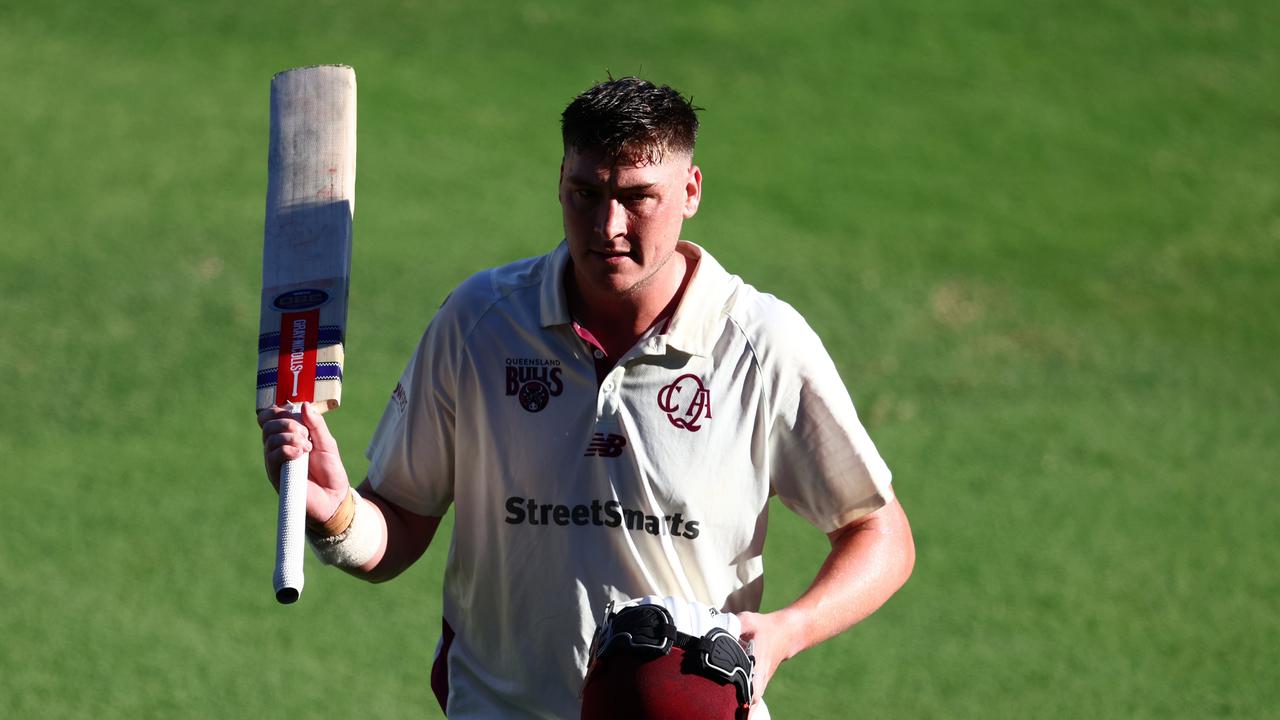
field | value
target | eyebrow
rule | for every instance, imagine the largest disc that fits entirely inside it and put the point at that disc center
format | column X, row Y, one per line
column 591, row 181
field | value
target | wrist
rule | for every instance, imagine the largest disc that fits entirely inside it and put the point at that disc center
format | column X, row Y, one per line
column 795, row 631
column 360, row 541
column 339, row 520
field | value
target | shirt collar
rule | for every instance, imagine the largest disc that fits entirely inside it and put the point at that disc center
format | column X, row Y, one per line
column 555, row 306
column 695, row 325
column 699, row 316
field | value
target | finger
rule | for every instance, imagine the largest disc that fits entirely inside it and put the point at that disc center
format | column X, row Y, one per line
column 279, row 450
column 283, row 454
column 291, row 440
column 269, row 418
column 318, row 429
column 283, row 440
column 275, row 460
column 760, row 678
column 284, row 425
column 271, row 413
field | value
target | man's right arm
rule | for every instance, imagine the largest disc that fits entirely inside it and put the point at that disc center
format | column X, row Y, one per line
column 405, row 536
column 402, row 536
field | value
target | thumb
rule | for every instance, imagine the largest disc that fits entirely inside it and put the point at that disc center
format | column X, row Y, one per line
column 321, row 439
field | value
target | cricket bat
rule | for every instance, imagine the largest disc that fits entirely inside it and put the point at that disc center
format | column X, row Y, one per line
column 306, row 264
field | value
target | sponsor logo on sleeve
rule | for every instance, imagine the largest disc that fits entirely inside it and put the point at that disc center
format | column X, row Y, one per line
column 400, row 398
column 533, row 381
column 686, row 402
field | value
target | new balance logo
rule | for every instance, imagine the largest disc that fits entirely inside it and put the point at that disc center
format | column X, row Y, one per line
column 605, row 445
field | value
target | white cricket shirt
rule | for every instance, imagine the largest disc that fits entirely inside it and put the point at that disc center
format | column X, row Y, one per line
column 570, row 490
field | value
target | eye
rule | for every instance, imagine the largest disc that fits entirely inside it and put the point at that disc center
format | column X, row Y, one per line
column 585, row 194
column 635, row 199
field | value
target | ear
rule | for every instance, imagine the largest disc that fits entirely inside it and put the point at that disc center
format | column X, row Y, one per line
column 560, row 180
column 693, row 192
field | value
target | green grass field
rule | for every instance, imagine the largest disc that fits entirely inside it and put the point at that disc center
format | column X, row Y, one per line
column 1041, row 239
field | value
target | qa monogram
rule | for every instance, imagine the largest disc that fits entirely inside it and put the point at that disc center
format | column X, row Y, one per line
column 686, row 402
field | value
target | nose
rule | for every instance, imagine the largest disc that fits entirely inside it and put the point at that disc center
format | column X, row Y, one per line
column 612, row 221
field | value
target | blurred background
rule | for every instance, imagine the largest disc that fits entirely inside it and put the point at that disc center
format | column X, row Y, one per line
column 1040, row 238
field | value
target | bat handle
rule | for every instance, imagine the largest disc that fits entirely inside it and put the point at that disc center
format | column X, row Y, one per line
column 291, row 527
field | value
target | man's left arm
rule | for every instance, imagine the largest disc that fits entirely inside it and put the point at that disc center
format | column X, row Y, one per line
column 870, row 559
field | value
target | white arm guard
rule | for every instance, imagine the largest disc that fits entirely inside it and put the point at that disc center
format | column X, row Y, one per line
column 355, row 546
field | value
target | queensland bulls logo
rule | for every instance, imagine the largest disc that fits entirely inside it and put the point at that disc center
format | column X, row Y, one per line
column 534, row 382
column 686, row 402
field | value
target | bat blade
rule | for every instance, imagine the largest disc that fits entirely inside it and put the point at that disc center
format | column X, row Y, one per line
column 306, row 266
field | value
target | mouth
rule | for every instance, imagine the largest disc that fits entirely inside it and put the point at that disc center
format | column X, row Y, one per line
column 611, row 257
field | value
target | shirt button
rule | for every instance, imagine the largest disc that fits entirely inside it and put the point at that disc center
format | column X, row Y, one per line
column 608, row 387
column 599, row 355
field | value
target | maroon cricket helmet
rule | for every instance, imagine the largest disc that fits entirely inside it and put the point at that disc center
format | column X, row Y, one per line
column 644, row 668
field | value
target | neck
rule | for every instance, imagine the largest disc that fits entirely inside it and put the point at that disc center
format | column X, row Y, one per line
column 618, row 321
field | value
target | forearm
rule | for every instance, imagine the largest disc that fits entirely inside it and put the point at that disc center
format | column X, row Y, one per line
column 398, row 537
column 868, row 562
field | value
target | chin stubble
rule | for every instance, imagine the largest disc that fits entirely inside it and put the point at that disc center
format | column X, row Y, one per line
column 645, row 281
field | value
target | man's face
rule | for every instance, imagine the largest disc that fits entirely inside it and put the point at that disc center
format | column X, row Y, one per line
column 622, row 221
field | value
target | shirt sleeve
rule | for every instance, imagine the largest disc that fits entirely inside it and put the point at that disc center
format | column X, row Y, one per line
column 411, row 455
column 823, row 464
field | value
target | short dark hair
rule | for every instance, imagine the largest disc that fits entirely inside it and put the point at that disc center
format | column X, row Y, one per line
column 631, row 119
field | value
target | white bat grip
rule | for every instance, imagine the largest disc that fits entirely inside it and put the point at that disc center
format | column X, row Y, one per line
column 290, row 535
